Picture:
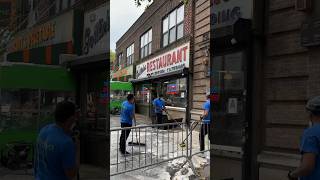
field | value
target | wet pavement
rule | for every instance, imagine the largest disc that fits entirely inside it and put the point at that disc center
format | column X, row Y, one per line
column 161, row 150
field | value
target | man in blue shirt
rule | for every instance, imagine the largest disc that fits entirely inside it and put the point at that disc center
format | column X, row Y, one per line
column 57, row 156
column 309, row 168
column 205, row 117
column 127, row 115
column 159, row 107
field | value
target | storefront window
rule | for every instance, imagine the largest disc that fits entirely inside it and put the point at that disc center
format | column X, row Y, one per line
column 28, row 109
column 142, row 95
column 175, row 92
column 96, row 101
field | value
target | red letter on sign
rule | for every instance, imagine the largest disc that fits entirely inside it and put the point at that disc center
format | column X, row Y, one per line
column 174, row 57
column 179, row 55
column 185, row 53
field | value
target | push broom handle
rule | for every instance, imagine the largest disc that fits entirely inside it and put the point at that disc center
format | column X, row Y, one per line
column 197, row 122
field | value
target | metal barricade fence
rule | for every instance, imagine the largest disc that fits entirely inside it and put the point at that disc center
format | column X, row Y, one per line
column 153, row 145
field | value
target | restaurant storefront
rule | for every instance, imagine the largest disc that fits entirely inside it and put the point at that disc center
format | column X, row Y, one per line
column 167, row 74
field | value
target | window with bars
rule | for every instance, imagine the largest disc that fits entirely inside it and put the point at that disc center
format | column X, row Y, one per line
column 130, row 53
column 146, row 44
column 172, row 26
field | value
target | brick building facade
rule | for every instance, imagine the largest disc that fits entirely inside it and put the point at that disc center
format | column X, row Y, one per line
column 152, row 23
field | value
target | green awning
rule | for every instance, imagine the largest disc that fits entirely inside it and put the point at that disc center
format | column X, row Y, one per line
column 117, row 85
column 18, row 76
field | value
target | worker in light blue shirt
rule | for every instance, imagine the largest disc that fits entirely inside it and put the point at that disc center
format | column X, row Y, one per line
column 126, row 120
column 57, row 156
column 159, row 107
column 309, row 168
column 206, row 119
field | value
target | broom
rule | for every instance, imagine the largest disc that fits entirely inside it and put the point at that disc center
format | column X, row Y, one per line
column 183, row 144
column 136, row 143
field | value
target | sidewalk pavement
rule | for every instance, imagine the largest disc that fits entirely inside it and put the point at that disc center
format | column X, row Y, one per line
column 87, row 172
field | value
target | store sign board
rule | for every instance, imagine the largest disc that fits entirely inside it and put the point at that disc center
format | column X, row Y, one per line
column 227, row 12
column 95, row 32
column 55, row 31
column 170, row 61
column 123, row 72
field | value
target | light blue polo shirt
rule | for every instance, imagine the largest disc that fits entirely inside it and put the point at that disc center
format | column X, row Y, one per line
column 55, row 152
column 127, row 111
column 310, row 143
column 159, row 105
column 206, row 106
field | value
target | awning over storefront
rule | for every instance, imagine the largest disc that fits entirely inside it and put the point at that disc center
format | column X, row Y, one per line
column 96, row 62
column 19, row 76
column 179, row 73
column 117, row 85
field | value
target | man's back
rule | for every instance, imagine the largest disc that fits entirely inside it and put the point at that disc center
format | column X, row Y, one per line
column 55, row 152
column 127, row 110
column 158, row 104
column 311, row 144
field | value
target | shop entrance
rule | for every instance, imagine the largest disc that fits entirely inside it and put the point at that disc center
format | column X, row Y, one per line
column 93, row 98
column 230, row 125
column 173, row 89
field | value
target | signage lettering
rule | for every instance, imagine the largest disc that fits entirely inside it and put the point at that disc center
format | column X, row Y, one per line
column 227, row 12
column 226, row 15
column 170, row 61
column 92, row 38
column 35, row 37
column 57, row 30
column 95, row 31
column 123, row 72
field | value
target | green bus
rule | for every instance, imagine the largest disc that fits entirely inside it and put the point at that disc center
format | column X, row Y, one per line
column 118, row 93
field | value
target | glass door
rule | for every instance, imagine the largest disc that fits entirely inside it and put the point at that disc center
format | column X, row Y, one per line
column 229, row 85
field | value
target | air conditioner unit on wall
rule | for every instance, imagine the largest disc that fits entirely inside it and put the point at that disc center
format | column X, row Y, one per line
column 303, row 5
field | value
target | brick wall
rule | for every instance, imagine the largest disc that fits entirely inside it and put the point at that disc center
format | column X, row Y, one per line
column 200, row 82
column 286, row 76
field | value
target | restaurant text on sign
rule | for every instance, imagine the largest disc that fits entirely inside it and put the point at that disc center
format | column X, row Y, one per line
column 170, row 61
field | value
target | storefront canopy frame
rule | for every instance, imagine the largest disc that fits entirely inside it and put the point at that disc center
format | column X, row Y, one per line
column 31, row 76
column 181, row 73
column 95, row 62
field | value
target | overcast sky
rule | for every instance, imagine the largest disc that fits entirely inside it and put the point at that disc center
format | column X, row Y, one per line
column 123, row 13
